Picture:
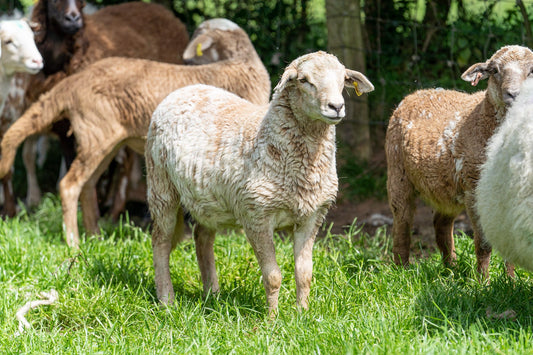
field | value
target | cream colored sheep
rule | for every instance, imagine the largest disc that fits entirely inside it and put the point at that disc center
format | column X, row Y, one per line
column 435, row 146
column 109, row 105
column 504, row 194
column 233, row 164
column 18, row 53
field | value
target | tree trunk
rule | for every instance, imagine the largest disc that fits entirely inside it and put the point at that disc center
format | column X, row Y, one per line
column 345, row 40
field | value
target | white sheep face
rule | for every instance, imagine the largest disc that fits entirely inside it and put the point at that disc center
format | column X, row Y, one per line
column 18, row 50
column 320, row 80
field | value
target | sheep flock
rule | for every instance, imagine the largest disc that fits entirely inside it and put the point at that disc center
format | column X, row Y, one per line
column 224, row 151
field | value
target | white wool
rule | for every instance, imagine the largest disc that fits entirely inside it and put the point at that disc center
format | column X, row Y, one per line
column 505, row 188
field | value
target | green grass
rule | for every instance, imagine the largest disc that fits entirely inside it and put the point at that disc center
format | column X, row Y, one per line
column 360, row 302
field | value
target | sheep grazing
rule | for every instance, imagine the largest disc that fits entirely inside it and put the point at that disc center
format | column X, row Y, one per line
column 109, row 105
column 504, row 191
column 262, row 168
column 18, row 53
column 435, row 146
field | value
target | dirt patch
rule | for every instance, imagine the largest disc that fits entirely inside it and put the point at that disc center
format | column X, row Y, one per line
column 372, row 214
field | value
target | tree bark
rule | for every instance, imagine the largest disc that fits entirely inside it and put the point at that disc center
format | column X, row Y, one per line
column 345, row 40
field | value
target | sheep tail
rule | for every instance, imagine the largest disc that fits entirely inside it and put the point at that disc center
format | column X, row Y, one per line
column 38, row 117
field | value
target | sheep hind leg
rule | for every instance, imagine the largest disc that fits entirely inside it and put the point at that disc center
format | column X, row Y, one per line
column 443, row 226
column 10, row 205
column 33, row 195
column 482, row 248
column 263, row 245
column 402, row 204
column 204, row 240
column 167, row 215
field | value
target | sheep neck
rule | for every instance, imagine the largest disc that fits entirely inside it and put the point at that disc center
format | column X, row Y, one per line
column 301, row 155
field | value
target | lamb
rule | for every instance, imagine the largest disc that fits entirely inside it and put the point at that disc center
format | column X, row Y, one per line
column 262, row 168
column 435, row 145
column 70, row 40
column 109, row 105
column 18, row 54
column 504, row 192
column 213, row 40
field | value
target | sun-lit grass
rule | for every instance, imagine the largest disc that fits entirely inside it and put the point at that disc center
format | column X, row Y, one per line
column 360, row 302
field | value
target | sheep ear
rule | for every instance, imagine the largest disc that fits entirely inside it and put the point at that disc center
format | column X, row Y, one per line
column 288, row 74
column 197, row 47
column 476, row 73
column 358, row 81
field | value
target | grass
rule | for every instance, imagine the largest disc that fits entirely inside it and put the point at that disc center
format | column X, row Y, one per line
column 360, row 302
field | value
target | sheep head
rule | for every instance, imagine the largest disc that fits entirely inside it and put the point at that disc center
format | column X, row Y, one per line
column 18, row 50
column 316, row 81
column 216, row 40
column 64, row 16
column 506, row 70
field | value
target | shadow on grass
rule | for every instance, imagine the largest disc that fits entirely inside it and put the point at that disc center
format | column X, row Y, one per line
column 502, row 305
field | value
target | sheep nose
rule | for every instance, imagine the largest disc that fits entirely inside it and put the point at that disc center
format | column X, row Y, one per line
column 72, row 17
column 336, row 106
column 510, row 96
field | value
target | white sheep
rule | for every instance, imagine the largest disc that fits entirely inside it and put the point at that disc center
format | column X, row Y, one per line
column 18, row 53
column 504, row 193
column 435, row 145
column 109, row 105
column 231, row 163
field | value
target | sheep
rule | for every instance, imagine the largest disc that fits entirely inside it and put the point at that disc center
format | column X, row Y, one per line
column 213, row 40
column 504, row 191
column 109, row 105
column 435, row 145
column 18, row 54
column 71, row 40
column 262, row 168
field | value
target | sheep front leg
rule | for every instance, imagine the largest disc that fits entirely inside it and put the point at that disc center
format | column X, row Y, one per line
column 10, row 205
column 204, row 239
column 263, row 245
column 482, row 248
column 443, row 226
column 304, row 238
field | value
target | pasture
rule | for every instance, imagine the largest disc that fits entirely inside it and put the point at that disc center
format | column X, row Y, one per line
column 360, row 301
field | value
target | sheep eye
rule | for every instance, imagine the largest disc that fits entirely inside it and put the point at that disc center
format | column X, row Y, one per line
column 303, row 80
column 8, row 42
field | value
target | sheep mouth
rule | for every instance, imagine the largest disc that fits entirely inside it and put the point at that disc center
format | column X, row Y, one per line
column 332, row 119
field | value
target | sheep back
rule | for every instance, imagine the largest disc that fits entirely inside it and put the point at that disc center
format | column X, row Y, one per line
column 504, row 194
column 436, row 138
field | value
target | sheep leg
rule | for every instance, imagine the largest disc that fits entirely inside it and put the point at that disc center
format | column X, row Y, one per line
column 89, row 198
column 482, row 248
column 263, row 246
column 204, row 239
column 304, row 239
column 124, row 172
column 168, row 227
column 80, row 172
column 444, row 235
column 402, row 205
column 10, row 206
column 33, row 195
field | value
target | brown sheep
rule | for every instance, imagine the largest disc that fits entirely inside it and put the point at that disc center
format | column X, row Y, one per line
column 69, row 41
column 109, row 105
column 435, row 146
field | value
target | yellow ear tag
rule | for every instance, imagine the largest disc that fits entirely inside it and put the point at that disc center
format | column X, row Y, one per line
column 199, row 52
column 355, row 85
